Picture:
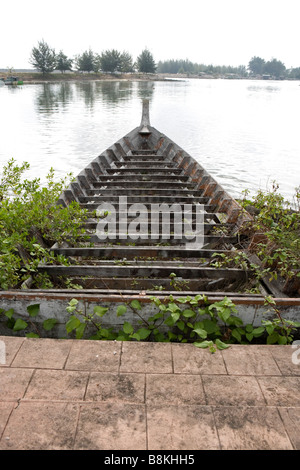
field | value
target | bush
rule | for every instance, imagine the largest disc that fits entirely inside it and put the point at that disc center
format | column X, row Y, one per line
column 31, row 221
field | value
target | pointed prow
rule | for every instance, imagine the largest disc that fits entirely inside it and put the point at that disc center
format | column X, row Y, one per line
column 145, row 123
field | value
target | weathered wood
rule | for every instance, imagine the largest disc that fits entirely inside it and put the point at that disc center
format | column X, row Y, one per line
column 118, row 252
column 134, row 191
column 150, row 169
column 141, row 271
column 146, row 198
column 273, row 286
column 23, row 253
column 35, row 233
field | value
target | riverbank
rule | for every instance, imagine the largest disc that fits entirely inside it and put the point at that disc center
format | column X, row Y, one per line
column 34, row 77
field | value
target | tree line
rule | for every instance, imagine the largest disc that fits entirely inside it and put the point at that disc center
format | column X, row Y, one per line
column 256, row 67
column 46, row 60
column 186, row 66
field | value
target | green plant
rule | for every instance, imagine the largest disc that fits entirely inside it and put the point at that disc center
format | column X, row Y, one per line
column 18, row 324
column 279, row 330
column 184, row 320
column 278, row 224
column 29, row 212
column 178, row 284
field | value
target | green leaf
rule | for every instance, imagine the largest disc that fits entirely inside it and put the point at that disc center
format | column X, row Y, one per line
column 273, row 338
column 282, row 339
column 49, row 323
column 258, row 331
column 9, row 313
column 72, row 323
column 80, row 330
column 270, row 329
column 210, row 326
column 135, row 304
column 188, row 313
column 20, row 325
column 100, row 311
column 175, row 317
column 155, row 317
column 33, row 310
column 200, row 332
column 128, row 328
column 234, row 320
column 172, row 307
column 181, row 325
column 249, row 336
column 143, row 333
column 224, row 314
column 236, row 334
column 221, row 345
column 172, row 336
column 32, row 335
column 169, row 321
column 135, row 336
column 121, row 310
column 204, row 344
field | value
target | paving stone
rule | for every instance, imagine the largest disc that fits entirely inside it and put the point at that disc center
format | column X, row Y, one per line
column 287, row 358
column 250, row 360
column 281, row 391
column 228, row 390
column 146, row 357
column 111, row 426
column 95, row 355
column 42, row 353
column 291, row 421
column 66, row 394
column 191, row 360
column 181, row 427
column 5, row 410
column 9, row 347
column 251, row 428
column 57, row 385
column 40, row 426
column 174, row 389
column 14, row 382
column 127, row 388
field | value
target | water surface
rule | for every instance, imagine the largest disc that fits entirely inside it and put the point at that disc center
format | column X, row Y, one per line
column 245, row 133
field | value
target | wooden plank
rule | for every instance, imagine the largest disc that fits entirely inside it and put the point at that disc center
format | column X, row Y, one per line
column 144, row 199
column 153, row 184
column 129, row 252
column 135, row 191
column 143, row 271
column 144, row 177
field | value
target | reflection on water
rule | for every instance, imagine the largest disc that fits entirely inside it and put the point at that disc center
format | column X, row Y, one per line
column 50, row 99
column 244, row 132
column 260, row 88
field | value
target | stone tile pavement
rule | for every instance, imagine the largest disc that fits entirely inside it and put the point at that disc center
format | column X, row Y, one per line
column 97, row 395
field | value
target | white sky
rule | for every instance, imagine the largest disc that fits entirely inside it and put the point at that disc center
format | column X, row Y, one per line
column 219, row 32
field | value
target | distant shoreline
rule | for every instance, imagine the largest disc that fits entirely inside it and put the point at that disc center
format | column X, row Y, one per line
column 35, row 77
column 31, row 77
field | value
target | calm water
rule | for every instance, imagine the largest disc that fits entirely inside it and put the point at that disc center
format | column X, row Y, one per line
column 245, row 133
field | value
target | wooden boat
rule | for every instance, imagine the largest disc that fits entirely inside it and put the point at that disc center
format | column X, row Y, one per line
column 147, row 168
